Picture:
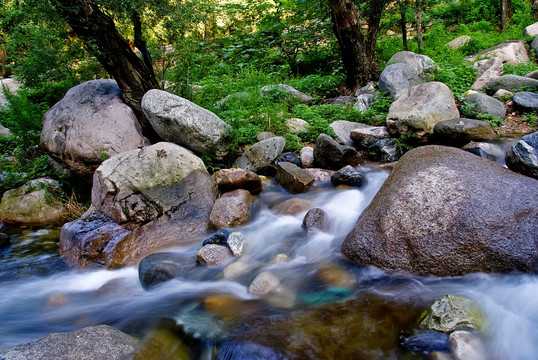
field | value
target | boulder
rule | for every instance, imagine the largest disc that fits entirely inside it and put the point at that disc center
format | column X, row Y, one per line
column 502, row 94
column 314, row 220
column 296, row 126
column 182, row 122
column 292, row 206
column 307, row 156
column 420, row 107
column 459, row 42
column 11, row 86
column 512, row 83
column 458, row 132
column 450, row 313
column 419, row 64
column 342, row 129
column 96, row 239
column 287, row 90
column 100, row 342
column 446, row 212
column 38, row 202
column 159, row 267
column 213, row 254
column 237, row 243
column 512, row 52
column 345, row 101
column 523, row 155
column 531, row 30
column 233, row 179
column 287, row 157
column 466, row 345
column 532, row 74
column 364, row 101
column 141, row 185
column 365, row 137
column 350, row 176
column 526, row 101
column 482, row 104
column 263, row 284
column 487, row 70
column 231, row 209
column 396, row 77
column 89, row 125
column 261, row 154
column 328, row 154
column 264, row 135
column 5, row 132
column 293, row 178
column 320, row 175
column 484, row 149
column 385, row 150
column 534, row 45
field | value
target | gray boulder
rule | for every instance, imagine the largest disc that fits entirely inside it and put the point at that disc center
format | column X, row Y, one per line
column 365, row 137
column 307, row 156
column 531, row 30
column 364, row 101
column 350, row 176
column 89, row 125
column 450, row 313
column 293, row 178
column 458, row 132
column 4, row 132
column 526, row 101
column 95, row 342
column 420, row 107
column 396, row 77
column 446, row 212
column 459, row 42
column 343, row 128
column 523, row 155
column 140, row 185
column 182, row 122
column 512, row 52
column 296, row 125
column 9, row 85
column 419, row 64
column 487, row 70
column 385, row 150
column 231, row 209
column 532, row 74
column 288, row 90
column 534, row 45
column 329, row 154
column 261, row 154
column 512, row 83
column 482, row 104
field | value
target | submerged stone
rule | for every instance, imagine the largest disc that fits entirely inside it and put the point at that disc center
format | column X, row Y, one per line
column 451, row 313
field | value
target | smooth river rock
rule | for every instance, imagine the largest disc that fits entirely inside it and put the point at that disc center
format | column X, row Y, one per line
column 523, row 155
column 446, row 212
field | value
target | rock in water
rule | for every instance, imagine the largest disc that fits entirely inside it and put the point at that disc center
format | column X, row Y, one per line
column 458, row 132
column 446, row 212
column 331, row 155
column 451, row 313
column 523, row 155
column 261, row 154
column 231, row 209
column 293, row 178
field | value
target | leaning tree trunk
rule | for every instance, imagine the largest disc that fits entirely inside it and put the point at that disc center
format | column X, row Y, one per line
column 99, row 33
column 358, row 55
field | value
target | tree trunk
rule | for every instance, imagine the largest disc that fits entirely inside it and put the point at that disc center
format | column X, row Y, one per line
column 506, row 10
column 358, row 53
column 99, row 33
column 404, row 28
column 139, row 41
column 419, row 24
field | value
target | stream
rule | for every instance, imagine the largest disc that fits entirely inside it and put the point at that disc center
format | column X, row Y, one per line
column 328, row 309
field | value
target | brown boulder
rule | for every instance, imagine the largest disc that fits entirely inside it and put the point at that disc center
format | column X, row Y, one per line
column 233, row 179
column 231, row 209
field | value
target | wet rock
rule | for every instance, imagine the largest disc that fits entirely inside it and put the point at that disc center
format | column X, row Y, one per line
column 218, row 238
column 288, row 157
column 38, row 202
column 307, row 156
column 467, row 346
column 526, row 101
column 458, row 132
column 89, row 125
column 482, row 104
column 296, row 126
column 213, row 254
column 314, row 220
column 512, row 83
column 334, row 276
column 438, row 355
column 321, row 175
column 160, row 267
column 293, row 178
column 141, row 185
column 396, row 77
column 365, row 137
column 231, row 209
column 348, row 175
column 233, row 179
column 487, row 70
column 288, row 90
column 385, row 150
column 429, row 217
column 237, row 243
column 328, row 154
column 235, row 270
column 485, row 150
column 342, row 129
column 292, row 206
column 95, row 342
column 419, row 108
column 263, row 284
column 427, row 342
column 459, row 42
column 261, row 154
column 246, row 350
column 512, row 52
column 184, row 123
column 4, row 240
column 523, row 155
column 450, row 313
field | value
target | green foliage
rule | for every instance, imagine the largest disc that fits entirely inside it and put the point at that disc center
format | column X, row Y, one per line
column 531, row 119
column 520, row 69
column 458, row 76
column 468, row 110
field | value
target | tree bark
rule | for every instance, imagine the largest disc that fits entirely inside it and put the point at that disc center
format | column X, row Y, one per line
column 419, row 24
column 404, row 28
column 100, row 35
column 139, row 41
column 506, row 10
column 358, row 52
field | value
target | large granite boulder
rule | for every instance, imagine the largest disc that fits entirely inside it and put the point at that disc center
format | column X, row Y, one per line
column 420, row 64
column 512, row 83
column 97, row 240
column 418, row 108
column 523, row 155
column 487, row 70
column 140, row 185
column 343, row 129
column 512, row 52
column 458, row 132
column 396, row 77
column 182, row 122
column 482, row 104
column 39, row 202
column 95, row 342
column 446, row 212
column 89, row 125
column 261, row 154
column 9, row 85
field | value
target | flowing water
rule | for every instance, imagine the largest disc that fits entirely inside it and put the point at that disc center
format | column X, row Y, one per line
column 326, row 309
